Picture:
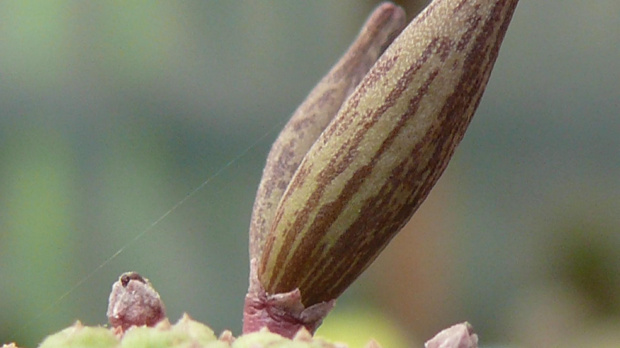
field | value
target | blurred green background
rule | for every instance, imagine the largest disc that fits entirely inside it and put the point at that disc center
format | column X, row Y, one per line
column 112, row 112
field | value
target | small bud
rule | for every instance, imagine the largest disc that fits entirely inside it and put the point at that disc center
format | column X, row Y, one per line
column 457, row 336
column 134, row 302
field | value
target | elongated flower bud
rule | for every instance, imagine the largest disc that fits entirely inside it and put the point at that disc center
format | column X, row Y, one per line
column 311, row 117
column 376, row 161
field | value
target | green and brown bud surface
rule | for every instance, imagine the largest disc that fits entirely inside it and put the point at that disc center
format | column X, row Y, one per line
column 313, row 115
column 375, row 162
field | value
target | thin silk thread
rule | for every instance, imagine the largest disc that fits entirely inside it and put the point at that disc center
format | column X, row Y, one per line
column 156, row 222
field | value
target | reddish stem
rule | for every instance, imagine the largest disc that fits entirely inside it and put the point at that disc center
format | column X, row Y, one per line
column 282, row 313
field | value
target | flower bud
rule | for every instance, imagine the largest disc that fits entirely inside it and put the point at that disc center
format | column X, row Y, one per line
column 377, row 159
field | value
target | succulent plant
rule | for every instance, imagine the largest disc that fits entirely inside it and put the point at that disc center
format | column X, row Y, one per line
column 352, row 165
column 185, row 333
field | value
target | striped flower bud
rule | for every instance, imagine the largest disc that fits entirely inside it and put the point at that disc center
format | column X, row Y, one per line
column 313, row 115
column 374, row 163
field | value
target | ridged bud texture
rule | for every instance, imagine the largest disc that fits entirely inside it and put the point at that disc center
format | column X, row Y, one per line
column 377, row 160
column 313, row 115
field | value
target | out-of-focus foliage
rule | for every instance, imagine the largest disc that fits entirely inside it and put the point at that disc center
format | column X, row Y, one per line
column 356, row 326
column 111, row 112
